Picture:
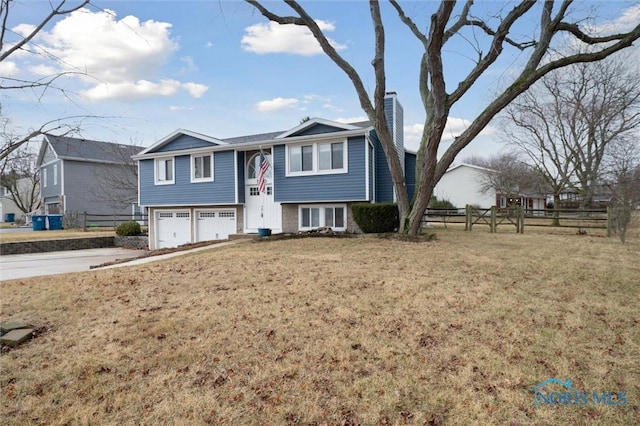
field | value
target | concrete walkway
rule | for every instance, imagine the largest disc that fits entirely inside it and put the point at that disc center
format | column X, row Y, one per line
column 149, row 259
column 16, row 266
column 62, row 262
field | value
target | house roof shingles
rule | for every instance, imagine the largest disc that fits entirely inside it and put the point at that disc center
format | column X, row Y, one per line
column 90, row 150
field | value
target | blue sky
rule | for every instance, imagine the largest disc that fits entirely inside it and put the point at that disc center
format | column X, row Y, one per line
column 220, row 68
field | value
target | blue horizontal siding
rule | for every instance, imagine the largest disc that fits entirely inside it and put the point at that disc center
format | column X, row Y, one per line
column 183, row 192
column 241, row 175
column 333, row 187
column 384, row 183
column 51, row 190
column 410, row 173
column 183, row 142
column 318, row 129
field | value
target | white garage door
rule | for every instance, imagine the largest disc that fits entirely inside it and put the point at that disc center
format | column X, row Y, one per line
column 173, row 228
column 215, row 224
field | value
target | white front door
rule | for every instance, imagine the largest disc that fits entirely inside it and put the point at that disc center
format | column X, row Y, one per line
column 261, row 211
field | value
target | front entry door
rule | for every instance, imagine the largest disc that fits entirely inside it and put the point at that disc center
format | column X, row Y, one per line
column 261, row 210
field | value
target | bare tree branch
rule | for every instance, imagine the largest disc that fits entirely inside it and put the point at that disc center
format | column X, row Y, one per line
column 56, row 11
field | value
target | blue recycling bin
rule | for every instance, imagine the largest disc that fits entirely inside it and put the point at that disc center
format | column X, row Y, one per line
column 55, row 222
column 39, row 223
column 10, row 217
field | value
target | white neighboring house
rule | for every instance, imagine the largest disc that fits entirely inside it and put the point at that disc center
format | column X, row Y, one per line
column 462, row 184
column 7, row 205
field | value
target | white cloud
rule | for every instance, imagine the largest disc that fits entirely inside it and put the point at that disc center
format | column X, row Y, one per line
column 196, row 90
column 179, row 108
column 272, row 37
column 455, row 126
column 43, row 70
column 142, row 89
column 625, row 22
column 189, row 64
column 9, row 69
column 276, row 104
column 119, row 59
column 23, row 29
column 351, row 119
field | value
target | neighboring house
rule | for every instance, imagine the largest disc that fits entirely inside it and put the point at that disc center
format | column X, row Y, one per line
column 8, row 206
column 78, row 175
column 463, row 184
column 571, row 198
column 26, row 192
column 199, row 188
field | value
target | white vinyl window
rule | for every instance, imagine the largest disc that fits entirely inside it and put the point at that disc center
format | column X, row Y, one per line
column 311, row 217
column 165, row 171
column 44, row 177
column 202, row 168
column 317, row 158
column 55, row 174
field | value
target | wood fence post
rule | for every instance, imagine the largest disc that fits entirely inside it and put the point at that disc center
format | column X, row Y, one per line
column 494, row 225
column 467, row 218
column 521, row 215
column 84, row 221
column 608, row 221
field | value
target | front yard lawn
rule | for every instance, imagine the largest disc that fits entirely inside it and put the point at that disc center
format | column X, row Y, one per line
column 334, row 331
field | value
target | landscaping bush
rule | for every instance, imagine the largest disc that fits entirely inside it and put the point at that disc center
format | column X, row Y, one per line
column 373, row 218
column 129, row 228
column 434, row 203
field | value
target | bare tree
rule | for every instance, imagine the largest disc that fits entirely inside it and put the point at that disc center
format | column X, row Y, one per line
column 622, row 176
column 553, row 25
column 13, row 43
column 566, row 123
column 21, row 178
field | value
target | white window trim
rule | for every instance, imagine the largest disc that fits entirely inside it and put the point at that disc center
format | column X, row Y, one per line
column 322, row 224
column 44, row 177
column 193, row 169
column 315, row 169
column 155, row 171
column 55, row 174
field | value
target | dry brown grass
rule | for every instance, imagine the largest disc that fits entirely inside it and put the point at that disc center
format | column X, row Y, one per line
column 333, row 331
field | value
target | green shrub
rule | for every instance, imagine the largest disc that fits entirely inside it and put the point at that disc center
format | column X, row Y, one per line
column 380, row 217
column 129, row 228
column 440, row 204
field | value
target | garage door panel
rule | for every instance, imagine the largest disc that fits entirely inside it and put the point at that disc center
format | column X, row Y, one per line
column 173, row 228
column 215, row 224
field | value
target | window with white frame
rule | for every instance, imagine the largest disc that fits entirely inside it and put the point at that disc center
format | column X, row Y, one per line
column 55, row 174
column 44, row 177
column 317, row 158
column 311, row 217
column 202, row 167
column 165, row 171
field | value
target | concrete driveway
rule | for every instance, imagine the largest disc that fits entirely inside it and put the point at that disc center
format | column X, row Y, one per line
column 59, row 262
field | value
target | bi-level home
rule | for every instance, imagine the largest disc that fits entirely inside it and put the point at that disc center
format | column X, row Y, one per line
column 81, row 175
column 199, row 188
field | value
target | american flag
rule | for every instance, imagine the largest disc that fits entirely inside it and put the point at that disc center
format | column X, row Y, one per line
column 262, row 171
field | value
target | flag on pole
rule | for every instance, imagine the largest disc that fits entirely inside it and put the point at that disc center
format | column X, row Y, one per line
column 262, row 172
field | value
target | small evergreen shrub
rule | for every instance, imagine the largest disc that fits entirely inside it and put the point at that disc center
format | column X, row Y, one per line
column 440, row 204
column 129, row 228
column 375, row 218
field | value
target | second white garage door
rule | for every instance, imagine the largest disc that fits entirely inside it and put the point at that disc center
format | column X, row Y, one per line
column 215, row 224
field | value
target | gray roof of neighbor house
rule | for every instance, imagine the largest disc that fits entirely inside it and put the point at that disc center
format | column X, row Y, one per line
column 89, row 150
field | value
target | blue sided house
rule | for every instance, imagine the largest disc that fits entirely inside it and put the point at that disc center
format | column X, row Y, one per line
column 200, row 188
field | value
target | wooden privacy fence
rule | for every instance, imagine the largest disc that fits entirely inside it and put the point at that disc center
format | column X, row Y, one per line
column 518, row 217
column 90, row 221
